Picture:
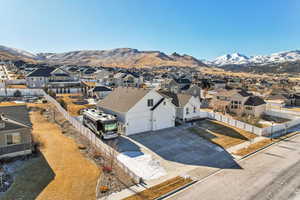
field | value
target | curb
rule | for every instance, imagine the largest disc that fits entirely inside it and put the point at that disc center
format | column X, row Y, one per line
column 175, row 191
column 218, row 171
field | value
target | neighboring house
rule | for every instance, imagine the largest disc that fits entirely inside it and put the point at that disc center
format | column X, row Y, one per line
column 139, row 110
column 53, row 78
column 238, row 101
column 187, row 106
column 194, row 90
column 176, row 85
column 15, row 131
column 255, row 106
column 283, row 99
column 219, row 84
column 99, row 91
column 127, row 80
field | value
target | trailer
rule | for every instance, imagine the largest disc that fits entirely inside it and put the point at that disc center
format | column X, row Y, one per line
column 103, row 125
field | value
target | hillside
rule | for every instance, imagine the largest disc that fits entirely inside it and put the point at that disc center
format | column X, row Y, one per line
column 121, row 57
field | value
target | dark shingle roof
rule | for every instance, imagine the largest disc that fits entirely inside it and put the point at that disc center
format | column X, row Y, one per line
column 254, row 101
column 16, row 113
column 183, row 81
column 101, row 89
column 44, row 72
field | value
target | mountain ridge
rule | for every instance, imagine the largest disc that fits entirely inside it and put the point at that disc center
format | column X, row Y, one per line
column 118, row 57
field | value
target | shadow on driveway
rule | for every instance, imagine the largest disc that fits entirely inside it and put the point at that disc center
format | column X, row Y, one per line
column 181, row 146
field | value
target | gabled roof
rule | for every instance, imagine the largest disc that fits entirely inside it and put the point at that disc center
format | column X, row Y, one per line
column 42, row 72
column 254, row 101
column 122, row 99
column 16, row 113
column 179, row 100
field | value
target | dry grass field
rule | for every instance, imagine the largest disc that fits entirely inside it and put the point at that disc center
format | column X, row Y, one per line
column 61, row 172
column 72, row 108
column 221, row 134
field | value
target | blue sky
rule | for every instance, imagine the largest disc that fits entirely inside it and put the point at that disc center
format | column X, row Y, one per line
column 204, row 29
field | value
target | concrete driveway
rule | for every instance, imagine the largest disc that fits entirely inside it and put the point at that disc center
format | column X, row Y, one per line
column 179, row 152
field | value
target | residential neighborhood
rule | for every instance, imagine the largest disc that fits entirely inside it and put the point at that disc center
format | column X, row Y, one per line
column 149, row 100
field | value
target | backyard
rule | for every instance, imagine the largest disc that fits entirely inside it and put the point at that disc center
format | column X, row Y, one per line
column 74, row 103
column 60, row 172
column 221, row 134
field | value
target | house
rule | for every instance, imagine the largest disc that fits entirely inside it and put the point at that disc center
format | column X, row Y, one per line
column 99, row 91
column 15, row 131
column 255, row 106
column 194, row 90
column 219, row 84
column 238, row 101
column 187, row 106
column 176, row 85
column 139, row 110
column 53, row 78
column 283, row 98
column 128, row 79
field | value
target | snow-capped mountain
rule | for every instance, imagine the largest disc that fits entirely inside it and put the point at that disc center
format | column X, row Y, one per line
column 229, row 59
column 242, row 60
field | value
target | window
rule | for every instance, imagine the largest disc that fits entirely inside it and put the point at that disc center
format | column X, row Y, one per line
column 248, row 108
column 14, row 138
column 187, row 111
column 150, row 102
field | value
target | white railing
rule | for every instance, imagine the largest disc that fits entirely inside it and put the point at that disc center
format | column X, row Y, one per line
column 267, row 131
column 234, row 123
column 101, row 146
column 9, row 92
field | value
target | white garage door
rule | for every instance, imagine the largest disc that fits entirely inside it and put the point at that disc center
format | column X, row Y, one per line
column 138, row 124
column 163, row 123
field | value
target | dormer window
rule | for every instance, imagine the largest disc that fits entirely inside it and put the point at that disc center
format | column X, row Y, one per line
column 150, row 103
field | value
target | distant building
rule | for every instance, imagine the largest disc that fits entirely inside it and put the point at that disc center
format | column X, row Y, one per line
column 15, row 131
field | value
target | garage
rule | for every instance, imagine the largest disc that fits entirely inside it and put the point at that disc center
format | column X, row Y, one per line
column 138, row 124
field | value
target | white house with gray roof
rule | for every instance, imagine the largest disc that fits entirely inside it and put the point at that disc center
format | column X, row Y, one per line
column 139, row 110
column 187, row 106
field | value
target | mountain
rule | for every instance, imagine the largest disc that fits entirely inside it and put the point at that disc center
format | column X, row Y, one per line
column 229, row 59
column 242, row 60
column 120, row 57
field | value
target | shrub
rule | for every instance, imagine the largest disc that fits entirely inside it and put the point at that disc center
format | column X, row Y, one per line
column 17, row 93
column 52, row 94
column 63, row 104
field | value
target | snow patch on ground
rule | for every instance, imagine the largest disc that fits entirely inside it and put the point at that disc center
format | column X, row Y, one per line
column 143, row 165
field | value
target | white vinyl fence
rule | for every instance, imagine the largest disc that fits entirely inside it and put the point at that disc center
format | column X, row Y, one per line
column 9, row 92
column 101, row 146
column 15, row 82
column 294, row 121
column 234, row 123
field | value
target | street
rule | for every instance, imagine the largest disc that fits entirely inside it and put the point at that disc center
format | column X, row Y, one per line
column 270, row 174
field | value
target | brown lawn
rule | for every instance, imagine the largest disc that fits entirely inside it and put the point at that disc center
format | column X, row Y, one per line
column 72, row 108
column 263, row 143
column 75, row 176
column 221, row 133
column 160, row 189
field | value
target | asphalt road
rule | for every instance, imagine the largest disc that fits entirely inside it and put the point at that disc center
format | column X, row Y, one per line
column 270, row 174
